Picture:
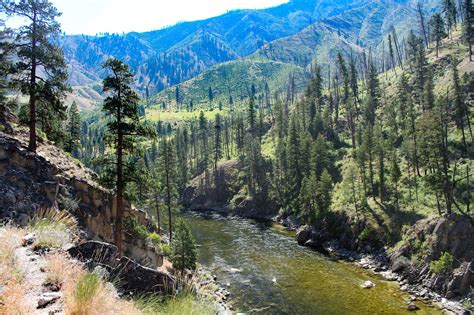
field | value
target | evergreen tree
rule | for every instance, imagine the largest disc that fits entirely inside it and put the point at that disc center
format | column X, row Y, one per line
column 123, row 128
column 74, row 129
column 183, row 248
column 217, row 141
column 437, row 30
column 468, row 25
column 168, row 174
column 450, row 13
column 40, row 65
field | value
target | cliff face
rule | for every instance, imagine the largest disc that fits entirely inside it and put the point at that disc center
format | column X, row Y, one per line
column 426, row 242
column 49, row 178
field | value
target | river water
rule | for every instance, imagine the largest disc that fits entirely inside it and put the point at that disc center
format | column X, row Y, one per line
column 267, row 272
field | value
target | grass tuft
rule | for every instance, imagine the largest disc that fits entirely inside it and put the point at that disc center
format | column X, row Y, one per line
column 53, row 228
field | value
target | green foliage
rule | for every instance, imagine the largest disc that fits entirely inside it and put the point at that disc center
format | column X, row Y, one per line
column 37, row 52
column 183, row 248
column 177, row 305
column 86, row 288
column 135, row 228
column 165, row 249
column 443, row 264
column 154, row 238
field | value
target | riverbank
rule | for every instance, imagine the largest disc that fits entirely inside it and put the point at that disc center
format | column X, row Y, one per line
column 411, row 261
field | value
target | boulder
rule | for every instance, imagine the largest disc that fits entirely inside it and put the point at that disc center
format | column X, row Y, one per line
column 28, row 239
column 48, row 298
column 411, row 306
column 100, row 252
column 367, row 285
column 303, row 234
column 139, row 279
column 400, row 263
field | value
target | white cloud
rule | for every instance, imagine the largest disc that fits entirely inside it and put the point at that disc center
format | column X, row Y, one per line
column 116, row 16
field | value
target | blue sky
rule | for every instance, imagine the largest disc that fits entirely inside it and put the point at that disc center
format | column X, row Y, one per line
column 116, row 16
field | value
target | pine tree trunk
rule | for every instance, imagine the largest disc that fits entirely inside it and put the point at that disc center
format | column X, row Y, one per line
column 32, row 102
column 119, row 214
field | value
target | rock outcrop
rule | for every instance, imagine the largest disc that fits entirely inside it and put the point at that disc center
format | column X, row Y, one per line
column 129, row 275
column 426, row 242
column 30, row 181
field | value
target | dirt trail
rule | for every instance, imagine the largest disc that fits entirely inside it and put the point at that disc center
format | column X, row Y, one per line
column 30, row 266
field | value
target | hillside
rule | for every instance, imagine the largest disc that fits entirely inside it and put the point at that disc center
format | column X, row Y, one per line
column 359, row 29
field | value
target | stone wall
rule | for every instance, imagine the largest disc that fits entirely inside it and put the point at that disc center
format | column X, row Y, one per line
column 49, row 178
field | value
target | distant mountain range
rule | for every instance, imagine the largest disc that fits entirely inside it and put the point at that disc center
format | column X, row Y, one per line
column 230, row 52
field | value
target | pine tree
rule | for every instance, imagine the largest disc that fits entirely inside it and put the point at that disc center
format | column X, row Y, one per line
column 74, row 129
column 468, row 25
column 183, row 248
column 123, row 128
column 437, row 30
column 450, row 13
column 40, row 65
column 217, row 141
column 168, row 174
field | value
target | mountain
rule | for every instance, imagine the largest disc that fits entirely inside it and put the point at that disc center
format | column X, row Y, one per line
column 169, row 56
column 362, row 27
column 292, row 35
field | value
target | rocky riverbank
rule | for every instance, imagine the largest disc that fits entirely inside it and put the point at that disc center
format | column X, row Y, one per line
column 208, row 287
column 411, row 262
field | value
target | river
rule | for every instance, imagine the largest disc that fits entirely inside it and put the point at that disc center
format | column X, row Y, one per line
column 266, row 271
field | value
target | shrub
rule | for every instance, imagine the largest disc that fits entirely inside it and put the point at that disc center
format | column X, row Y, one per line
column 154, row 238
column 165, row 249
column 135, row 228
column 443, row 264
column 53, row 228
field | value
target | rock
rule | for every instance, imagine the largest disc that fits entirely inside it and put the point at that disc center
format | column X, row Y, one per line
column 411, row 306
column 139, row 279
column 400, row 264
column 303, row 234
column 404, row 287
column 367, row 284
column 100, row 252
column 10, row 197
column 48, row 298
column 28, row 239
column 462, row 281
column 389, row 275
column 102, row 272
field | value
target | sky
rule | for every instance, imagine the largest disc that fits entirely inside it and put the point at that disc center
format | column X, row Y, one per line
column 116, row 16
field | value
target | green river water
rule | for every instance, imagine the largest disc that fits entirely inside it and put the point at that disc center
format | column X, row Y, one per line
column 266, row 271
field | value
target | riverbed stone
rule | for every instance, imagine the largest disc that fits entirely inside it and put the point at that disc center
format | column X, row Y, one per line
column 303, row 234
column 367, row 284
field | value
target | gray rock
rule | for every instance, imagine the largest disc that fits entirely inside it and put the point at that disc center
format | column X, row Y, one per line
column 367, row 284
column 48, row 298
column 303, row 234
column 28, row 239
column 411, row 306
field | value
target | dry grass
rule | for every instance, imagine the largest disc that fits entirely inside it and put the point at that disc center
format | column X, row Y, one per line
column 61, row 270
column 85, row 293
column 12, row 287
column 53, row 228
